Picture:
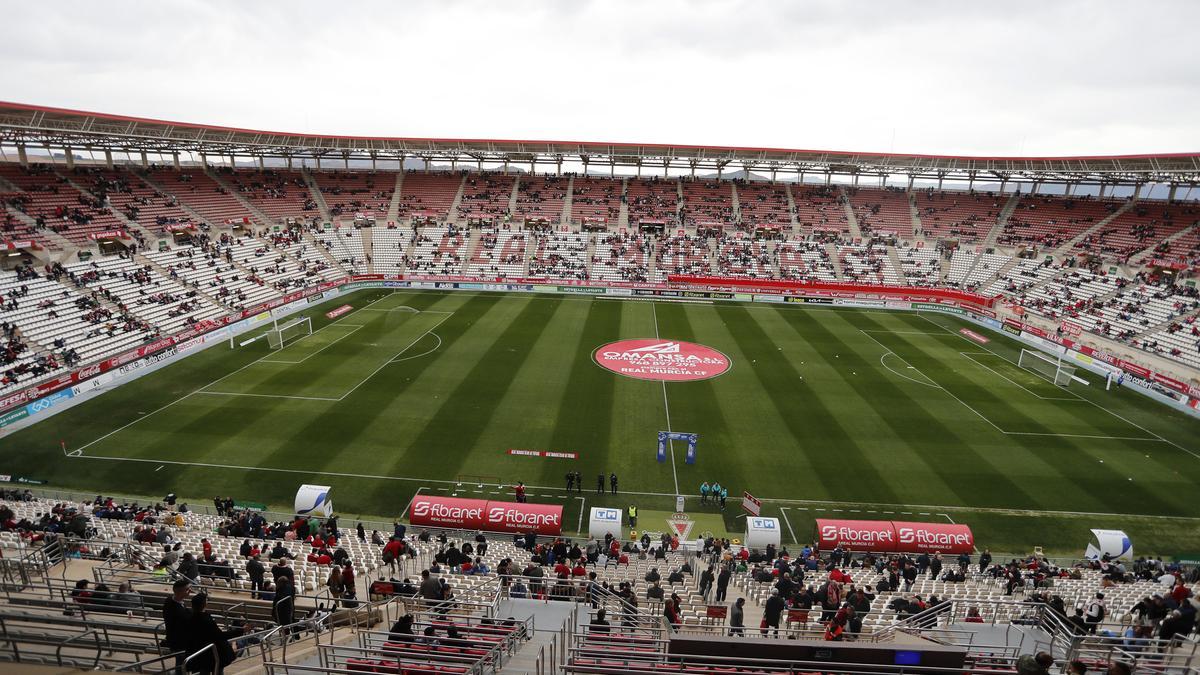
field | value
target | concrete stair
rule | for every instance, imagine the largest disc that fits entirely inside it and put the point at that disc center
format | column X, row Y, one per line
column 1001, row 220
column 917, row 232
column 452, row 214
column 257, row 213
column 393, row 213
column 1068, row 245
column 855, row 231
column 319, row 198
column 565, row 219
column 1149, row 252
column 792, row 206
column 512, row 197
column 623, row 216
column 835, row 260
column 368, row 247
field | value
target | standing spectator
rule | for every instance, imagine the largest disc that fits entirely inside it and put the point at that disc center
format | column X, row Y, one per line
column 706, row 582
column 985, row 559
column 723, row 582
column 1095, row 613
column 362, row 533
column 334, row 584
column 203, row 632
column 600, row 484
column 704, row 491
column 612, row 482
column 177, row 617
column 519, row 490
column 578, row 482
column 257, row 574
column 671, row 611
column 283, row 607
column 737, row 618
column 772, row 611
column 570, row 480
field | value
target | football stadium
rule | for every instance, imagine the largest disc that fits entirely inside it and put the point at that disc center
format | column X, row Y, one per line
column 587, row 406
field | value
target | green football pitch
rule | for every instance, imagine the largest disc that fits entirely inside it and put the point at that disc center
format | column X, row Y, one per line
column 824, row 413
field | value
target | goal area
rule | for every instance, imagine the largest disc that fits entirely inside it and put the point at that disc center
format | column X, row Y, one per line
column 290, row 331
column 1048, row 366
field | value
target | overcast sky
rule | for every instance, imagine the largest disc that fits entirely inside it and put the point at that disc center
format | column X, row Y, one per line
column 1013, row 78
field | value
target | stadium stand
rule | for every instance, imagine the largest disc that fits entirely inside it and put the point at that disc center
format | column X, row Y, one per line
column 763, row 206
column 56, row 205
column 481, row 581
column 621, row 257
column 486, row 196
column 389, row 249
column 706, row 201
column 681, row 253
column 740, row 256
column 278, row 194
column 439, row 250
column 653, row 199
column 801, row 260
column 428, row 194
column 540, row 199
column 964, row 216
column 345, row 245
column 498, row 254
column 238, row 268
column 201, row 193
column 352, row 192
column 819, row 209
column 1053, row 221
column 560, row 255
column 920, row 266
column 596, row 199
column 882, row 211
column 130, row 195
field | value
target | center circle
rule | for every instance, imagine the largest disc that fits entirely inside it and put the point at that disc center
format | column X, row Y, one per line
column 661, row 360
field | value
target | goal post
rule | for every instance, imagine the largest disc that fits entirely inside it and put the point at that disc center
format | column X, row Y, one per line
column 1050, row 367
column 290, row 331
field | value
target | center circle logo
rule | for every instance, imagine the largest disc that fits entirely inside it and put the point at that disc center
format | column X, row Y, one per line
column 664, row 360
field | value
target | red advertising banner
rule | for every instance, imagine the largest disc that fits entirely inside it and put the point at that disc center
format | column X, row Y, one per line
column 517, row 517
column 884, row 536
column 857, row 535
column 480, row 514
column 931, row 537
column 335, row 313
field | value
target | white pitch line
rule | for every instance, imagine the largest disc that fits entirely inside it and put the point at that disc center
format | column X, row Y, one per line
column 397, row 354
column 81, row 448
column 1103, row 438
column 666, row 407
column 1120, row 417
column 887, row 352
column 1000, row 374
column 237, row 393
column 334, row 342
column 783, row 512
column 425, row 353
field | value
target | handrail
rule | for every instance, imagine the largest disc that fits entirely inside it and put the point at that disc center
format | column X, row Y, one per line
column 137, row 667
column 211, row 647
column 64, row 643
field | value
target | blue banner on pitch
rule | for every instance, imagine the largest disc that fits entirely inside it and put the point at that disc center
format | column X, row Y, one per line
column 665, row 436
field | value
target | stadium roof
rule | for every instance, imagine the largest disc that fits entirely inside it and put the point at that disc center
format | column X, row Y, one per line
column 46, row 127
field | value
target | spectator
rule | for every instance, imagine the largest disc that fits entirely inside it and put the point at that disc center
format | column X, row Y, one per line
column 203, row 632
column 737, row 618
column 599, row 624
column 177, row 619
column 1034, row 665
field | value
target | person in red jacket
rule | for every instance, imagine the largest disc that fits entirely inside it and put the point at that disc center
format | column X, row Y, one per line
column 519, row 490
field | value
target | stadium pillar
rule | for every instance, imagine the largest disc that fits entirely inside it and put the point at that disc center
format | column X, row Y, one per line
column 145, row 160
column 373, row 161
column 346, row 160
column 910, row 182
column 559, row 163
column 21, row 156
column 108, row 158
column 261, row 164
column 70, row 157
column 505, row 166
column 1171, row 193
column 1102, row 186
column 203, row 160
column 1137, row 190
column 232, row 161
column 318, row 158
column 1004, row 184
column 289, row 162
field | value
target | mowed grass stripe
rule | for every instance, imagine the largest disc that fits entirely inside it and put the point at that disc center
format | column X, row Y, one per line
column 332, row 439
column 1096, row 481
column 919, row 442
column 528, row 413
column 303, row 434
column 696, row 406
column 584, row 420
column 450, row 435
column 840, row 464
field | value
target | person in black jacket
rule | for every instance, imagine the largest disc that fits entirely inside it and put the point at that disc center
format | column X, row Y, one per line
column 257, row 573
column 284, row 606
column 177, row 618
column 203, row 631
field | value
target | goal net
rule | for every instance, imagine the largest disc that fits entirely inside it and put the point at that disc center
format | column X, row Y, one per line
column 288, row 332
column 1050, row 367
